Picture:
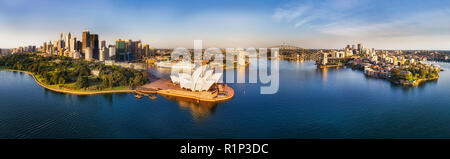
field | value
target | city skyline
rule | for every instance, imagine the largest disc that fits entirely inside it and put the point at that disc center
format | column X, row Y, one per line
column 326, row 24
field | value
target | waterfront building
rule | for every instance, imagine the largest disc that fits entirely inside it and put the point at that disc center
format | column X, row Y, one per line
column 137, row 66
column 324, row 59
column 128, row 50
column 348, row 52
column 276, row 55
column 184, row 65
column 339, row 54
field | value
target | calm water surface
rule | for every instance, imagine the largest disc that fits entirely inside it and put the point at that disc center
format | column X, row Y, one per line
column 310, row 103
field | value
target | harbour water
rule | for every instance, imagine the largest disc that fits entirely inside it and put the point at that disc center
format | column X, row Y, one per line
column 310, row 103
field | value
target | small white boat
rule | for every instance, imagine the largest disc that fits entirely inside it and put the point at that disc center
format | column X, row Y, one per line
column 175, row 65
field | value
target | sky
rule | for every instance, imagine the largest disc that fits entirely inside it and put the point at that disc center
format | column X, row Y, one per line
column 315, row 24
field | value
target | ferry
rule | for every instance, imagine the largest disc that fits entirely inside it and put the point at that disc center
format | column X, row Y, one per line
column 175, row 65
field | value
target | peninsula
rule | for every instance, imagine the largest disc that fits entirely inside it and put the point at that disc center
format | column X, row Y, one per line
column 396, row 66
column 81, row 77
column 67, row 75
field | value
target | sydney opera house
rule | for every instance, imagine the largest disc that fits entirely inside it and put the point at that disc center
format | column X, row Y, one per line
column 201, row 80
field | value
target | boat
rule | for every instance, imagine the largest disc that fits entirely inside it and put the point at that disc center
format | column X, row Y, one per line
column 175, row 65
column 138, row 96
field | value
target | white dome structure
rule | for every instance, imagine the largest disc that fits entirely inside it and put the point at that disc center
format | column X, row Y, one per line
column 201, row 80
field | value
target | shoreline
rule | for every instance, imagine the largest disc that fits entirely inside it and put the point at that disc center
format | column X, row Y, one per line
column 414, row 84
column 396, row 82
column 419, row 81
column 72, row 91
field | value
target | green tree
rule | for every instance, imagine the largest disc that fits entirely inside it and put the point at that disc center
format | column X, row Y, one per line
column 82, row 82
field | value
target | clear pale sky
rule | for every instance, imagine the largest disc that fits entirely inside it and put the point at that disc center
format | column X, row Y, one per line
column 392, row 24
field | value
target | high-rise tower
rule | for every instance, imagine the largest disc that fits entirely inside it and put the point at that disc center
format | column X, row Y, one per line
column 67, row 41
column 94, row 46
column 86, row 41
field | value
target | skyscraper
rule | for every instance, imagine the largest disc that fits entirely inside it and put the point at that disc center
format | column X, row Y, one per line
column 79, row 46
column 94, row 46
column 73, row 44
column 132, row 49
column 120, row 50
column 128, row 50
column 112, row 50
column 88, row 54
column 138, row 52
column 102, row 44
column 103, row 54
column 146, row 50
column 67, row 41
column 49, row 48
column 60, row 46
column 44, row 47
column 86, row 40
column 360, row 48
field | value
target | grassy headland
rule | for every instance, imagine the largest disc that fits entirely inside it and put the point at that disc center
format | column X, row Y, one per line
column 77, row 76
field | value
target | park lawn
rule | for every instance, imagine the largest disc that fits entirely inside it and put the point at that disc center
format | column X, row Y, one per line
column 92, row 88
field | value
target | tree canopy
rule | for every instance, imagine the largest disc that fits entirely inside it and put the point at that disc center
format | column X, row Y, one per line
column 63, row 70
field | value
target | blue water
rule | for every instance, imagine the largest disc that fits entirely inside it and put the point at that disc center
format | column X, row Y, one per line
column 310, row 103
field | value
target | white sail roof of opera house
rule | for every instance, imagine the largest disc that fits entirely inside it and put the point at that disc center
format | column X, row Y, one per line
column 201, row 80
